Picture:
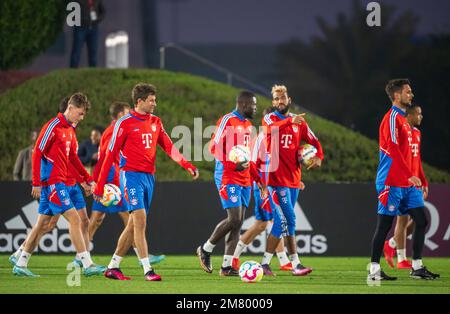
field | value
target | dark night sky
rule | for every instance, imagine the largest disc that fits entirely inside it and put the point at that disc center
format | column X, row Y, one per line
column 269, row 21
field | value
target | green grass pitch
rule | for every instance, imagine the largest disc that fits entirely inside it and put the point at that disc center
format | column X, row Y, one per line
column 182, row 274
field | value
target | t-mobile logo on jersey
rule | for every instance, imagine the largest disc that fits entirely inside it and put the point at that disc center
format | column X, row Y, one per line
column 147, row 139
column 415, row 149
column 286, row 140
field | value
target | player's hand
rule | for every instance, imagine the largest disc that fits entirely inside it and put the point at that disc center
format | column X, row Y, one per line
column 315, row 163
column 425, row 192
column 240, row 166
column 415, row 180
column 87, row 188
column 93, row 186
column 36, row 192
column 298, row 119
column 302, row 185
column 194, row 173
column 96, row 197
column 263, row 191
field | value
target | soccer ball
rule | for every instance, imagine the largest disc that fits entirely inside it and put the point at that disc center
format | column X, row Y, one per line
column 251, row 271
column 306, row 154
column 111, row 195
column 239, row 153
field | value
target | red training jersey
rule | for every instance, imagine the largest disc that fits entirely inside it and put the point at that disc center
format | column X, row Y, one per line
column 232, row 129
column 395, row 136
column 55, row 148
column 416, row 159
column 102, row 149
column 73, row 174
column 284, row 139
column 134, row 138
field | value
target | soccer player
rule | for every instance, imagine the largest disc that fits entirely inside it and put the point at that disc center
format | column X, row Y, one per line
column 117, row 110
column 405, row 225
column 233, row 180
column 285, row 132
column 54, row 150
column 398, row 188
column 264, row 207
column 76, row 196
column 135, row 138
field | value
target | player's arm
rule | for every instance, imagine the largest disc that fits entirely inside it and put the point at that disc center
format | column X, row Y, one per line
column 116, row 143
column 80, row 172
column 423, row 179
column 393, row 151
column 257, row 150
column 309, row 137
column 269, row 124
column 166, row 144
column 43, row 143
column 104, row 141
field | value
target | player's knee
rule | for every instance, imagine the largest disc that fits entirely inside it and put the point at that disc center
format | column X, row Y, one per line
column 421, row 222
column 48, row 227
column 139, row 225
column 98, row 220
column 84, row 222
column 234, row 221
column 262, row 226
column 75, row 221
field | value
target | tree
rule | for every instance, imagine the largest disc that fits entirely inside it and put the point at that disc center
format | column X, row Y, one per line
column 341, row 74
column 27, row 28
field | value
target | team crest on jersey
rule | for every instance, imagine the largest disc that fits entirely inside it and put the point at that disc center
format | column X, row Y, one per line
column 240, row 129
column 66, row 201
column 391, row 208
column 134, row 201
column 283, row 192
column 153, row 128
column 234, row 198
column 295, row 129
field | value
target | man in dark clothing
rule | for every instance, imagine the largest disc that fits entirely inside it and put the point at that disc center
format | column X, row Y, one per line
column 92, row 13
column 22, row 167
column 88, row 150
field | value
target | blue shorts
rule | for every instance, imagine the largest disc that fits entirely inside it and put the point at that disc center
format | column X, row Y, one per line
column 284, row 217
column 137, row 187
column 55, row 199
column 233, row 195
column 76, row 196
column 264, row 208
column 396, row 201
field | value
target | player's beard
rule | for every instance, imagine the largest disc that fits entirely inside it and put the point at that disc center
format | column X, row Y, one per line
column 284, row 110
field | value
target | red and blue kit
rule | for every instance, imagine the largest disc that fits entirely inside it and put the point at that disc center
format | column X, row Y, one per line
column 395, row 193
column 264, row 206
column 134, row 139
column 55, row 149
column 416, row 159
column 73, row 178
column 113, row 176
column 284, row 176
column 234, row 186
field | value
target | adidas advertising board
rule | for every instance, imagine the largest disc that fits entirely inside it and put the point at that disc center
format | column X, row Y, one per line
column 331, row 220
